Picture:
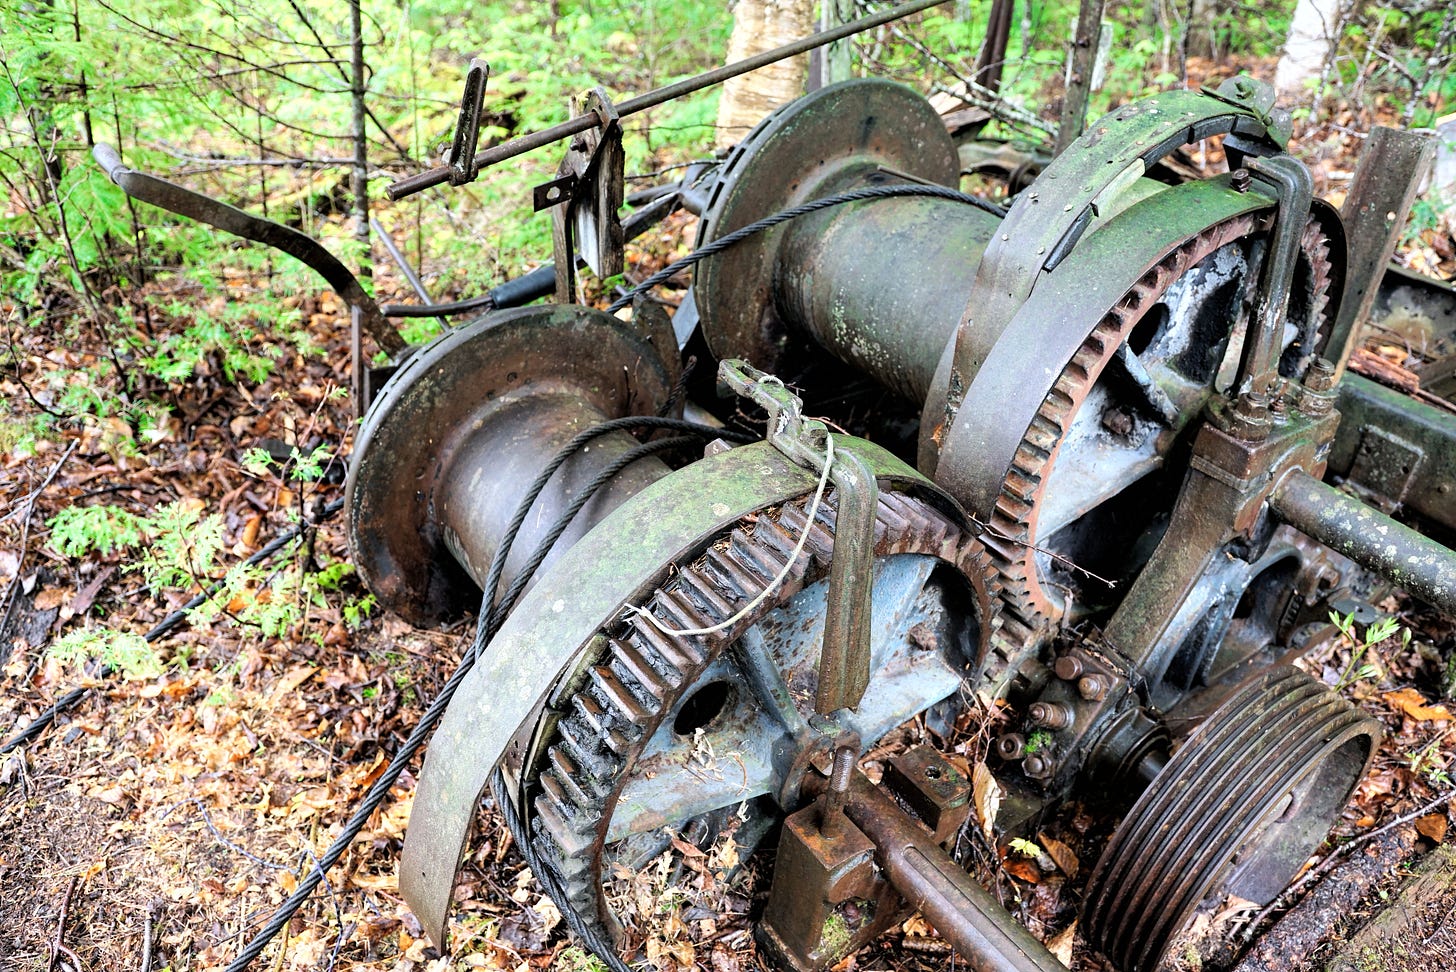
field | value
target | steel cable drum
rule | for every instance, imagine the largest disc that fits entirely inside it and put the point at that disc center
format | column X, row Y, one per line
column 1242, row 804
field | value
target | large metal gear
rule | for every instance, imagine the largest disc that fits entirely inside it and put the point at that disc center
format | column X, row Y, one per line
column 668, row 730
column 1111, row 418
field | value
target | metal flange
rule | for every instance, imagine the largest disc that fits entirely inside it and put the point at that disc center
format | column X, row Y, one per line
column 805, row 150
column 466, row 424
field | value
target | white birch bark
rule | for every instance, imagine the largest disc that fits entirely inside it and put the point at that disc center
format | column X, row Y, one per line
column 1313, row 34
column 761, row 25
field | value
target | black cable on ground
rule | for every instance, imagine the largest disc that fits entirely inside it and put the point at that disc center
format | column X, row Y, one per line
column 167, row 624
column 486, row 627
column 783, row 216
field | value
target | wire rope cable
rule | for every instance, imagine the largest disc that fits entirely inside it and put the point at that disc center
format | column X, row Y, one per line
column 492, row 615
column 783, row 216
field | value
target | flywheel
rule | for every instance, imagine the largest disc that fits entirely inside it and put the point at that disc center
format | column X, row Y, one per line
column 1241, row 805
column 668, row 735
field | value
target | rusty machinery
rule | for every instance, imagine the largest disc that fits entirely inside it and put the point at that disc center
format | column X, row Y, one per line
column 1102, row 501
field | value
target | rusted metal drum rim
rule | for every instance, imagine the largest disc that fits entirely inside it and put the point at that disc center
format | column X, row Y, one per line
column 805, row 150
column 1237, row 810
column 445, row 396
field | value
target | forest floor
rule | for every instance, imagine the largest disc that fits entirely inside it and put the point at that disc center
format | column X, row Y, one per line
column 161, row 820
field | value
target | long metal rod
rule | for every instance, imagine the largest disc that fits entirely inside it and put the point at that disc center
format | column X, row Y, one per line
column 582, row 123
column 1368, row 537
column 412, row 278
column 966, row 914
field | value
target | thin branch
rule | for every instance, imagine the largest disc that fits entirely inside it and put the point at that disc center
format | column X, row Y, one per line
column 1343, row 851
column 181, row 43
column 57, row 944
column 345, row 76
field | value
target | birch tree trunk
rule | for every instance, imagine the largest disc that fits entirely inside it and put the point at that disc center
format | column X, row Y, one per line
column 761, row 25
column 1313, row 34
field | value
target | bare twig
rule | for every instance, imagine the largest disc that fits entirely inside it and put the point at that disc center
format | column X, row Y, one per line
column 153, row 911
column 1340, row 853
column 10, row 598
column 57, row 946
column 218, row 836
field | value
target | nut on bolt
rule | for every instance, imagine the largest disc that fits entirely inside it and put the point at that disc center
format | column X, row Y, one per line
column 1094, row 688
column 1317, row 395
column 1249, row 419
column 1049, row 714
column 1037, row 767
column 1239, row 179
column 1010, row 746
column 1320, row 375
column 1068, row 667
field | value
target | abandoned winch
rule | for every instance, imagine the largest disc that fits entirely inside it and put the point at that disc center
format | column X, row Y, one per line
column 1106, row 417
column 1125, row 390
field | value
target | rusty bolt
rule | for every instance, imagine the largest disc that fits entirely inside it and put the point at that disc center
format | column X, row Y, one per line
column 845, row 756
column 1010, row 745
column 1320, row 375
column 1094, row 688
column 1037, row 767
column 1068, row 667
column 1117, row 421
column 1049, row 714
column 1250, row 417
column 1239, row 179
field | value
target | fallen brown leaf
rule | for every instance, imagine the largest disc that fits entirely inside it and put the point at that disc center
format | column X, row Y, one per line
column 1064, row 857
column 987, row 795
column 1413, row 704
column 1023, row 869
column 1061, row 944
column 1432, row 827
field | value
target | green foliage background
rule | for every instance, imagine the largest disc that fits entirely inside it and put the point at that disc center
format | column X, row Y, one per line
column 250, row 103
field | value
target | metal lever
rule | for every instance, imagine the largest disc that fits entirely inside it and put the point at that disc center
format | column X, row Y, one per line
column 1295, row 187
column 184, row 202
column 844, row 658
column 461, row 160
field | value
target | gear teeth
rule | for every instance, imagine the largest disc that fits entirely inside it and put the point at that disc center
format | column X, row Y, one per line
column 581, row 787
column 732, row 574
column 707, row 592
column 569, row 841
column 681, row 653
column 618, row 695
column 894, row 514
column 639, row 674
column 820, row 543
column 654, row 680
column 676, row 609
column 581, row 746
column 1028, row 611
column 1043, row 434
column 590, row 712
column 766, row 563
